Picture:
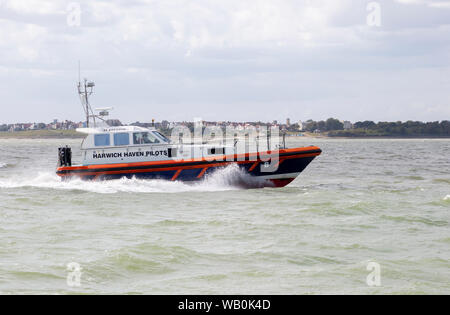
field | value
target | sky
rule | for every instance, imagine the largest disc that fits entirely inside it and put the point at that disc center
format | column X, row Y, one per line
column 239, row 60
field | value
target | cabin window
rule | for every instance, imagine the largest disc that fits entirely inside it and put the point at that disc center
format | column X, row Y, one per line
column 121, row 139
column 162, row 136
column 216, row 151
column 101, row 140
column 144, row 138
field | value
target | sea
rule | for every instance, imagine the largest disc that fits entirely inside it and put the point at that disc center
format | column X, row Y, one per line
column 368, row 216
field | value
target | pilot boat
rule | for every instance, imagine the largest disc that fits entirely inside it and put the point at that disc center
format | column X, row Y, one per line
column 113, row 152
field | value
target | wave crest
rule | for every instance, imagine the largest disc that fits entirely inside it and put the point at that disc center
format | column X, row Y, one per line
column 228, row 178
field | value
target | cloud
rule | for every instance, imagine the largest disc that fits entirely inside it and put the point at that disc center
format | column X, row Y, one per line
column 430, row 3
column 243, row 59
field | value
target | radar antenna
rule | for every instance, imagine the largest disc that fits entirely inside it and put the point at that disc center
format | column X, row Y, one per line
column 85, row 90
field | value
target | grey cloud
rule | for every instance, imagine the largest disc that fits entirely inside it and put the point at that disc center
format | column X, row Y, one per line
column 228, row 60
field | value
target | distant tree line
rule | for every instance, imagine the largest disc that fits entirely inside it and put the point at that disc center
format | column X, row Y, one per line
column 395, row 129
column 327, row 125
column 333, row 127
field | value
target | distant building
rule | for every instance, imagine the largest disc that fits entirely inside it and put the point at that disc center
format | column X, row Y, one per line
column 347, row 125
column 288, row 122
column 198, row 122
column 114, row 122
column 300, row 125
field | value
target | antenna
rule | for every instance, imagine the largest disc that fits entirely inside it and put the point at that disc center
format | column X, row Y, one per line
column 85, row 90
column 102, row 112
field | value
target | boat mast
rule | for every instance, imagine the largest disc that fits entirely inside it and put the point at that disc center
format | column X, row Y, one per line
column 85, row 90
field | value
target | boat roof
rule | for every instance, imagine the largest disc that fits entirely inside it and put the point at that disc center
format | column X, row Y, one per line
column 113, row 129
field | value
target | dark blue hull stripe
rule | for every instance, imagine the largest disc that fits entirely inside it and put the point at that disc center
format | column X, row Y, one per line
column 288, row 166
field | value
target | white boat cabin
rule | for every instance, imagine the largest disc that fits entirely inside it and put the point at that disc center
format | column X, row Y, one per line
column 128, row 144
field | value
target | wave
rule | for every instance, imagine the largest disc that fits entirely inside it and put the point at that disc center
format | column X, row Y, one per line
column 442, row 180
column 447, row 198
column 228, row 178
column 233, row 176
column 3, row 165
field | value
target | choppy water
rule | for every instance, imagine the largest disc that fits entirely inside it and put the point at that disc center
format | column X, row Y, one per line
column 386, row 201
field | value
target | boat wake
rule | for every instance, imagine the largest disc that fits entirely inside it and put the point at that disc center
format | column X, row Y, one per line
column 233, row 176
column 228, row 178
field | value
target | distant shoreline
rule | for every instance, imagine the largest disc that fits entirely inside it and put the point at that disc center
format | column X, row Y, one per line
column 72, row 134
column 326, row 136
column 42, row 134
